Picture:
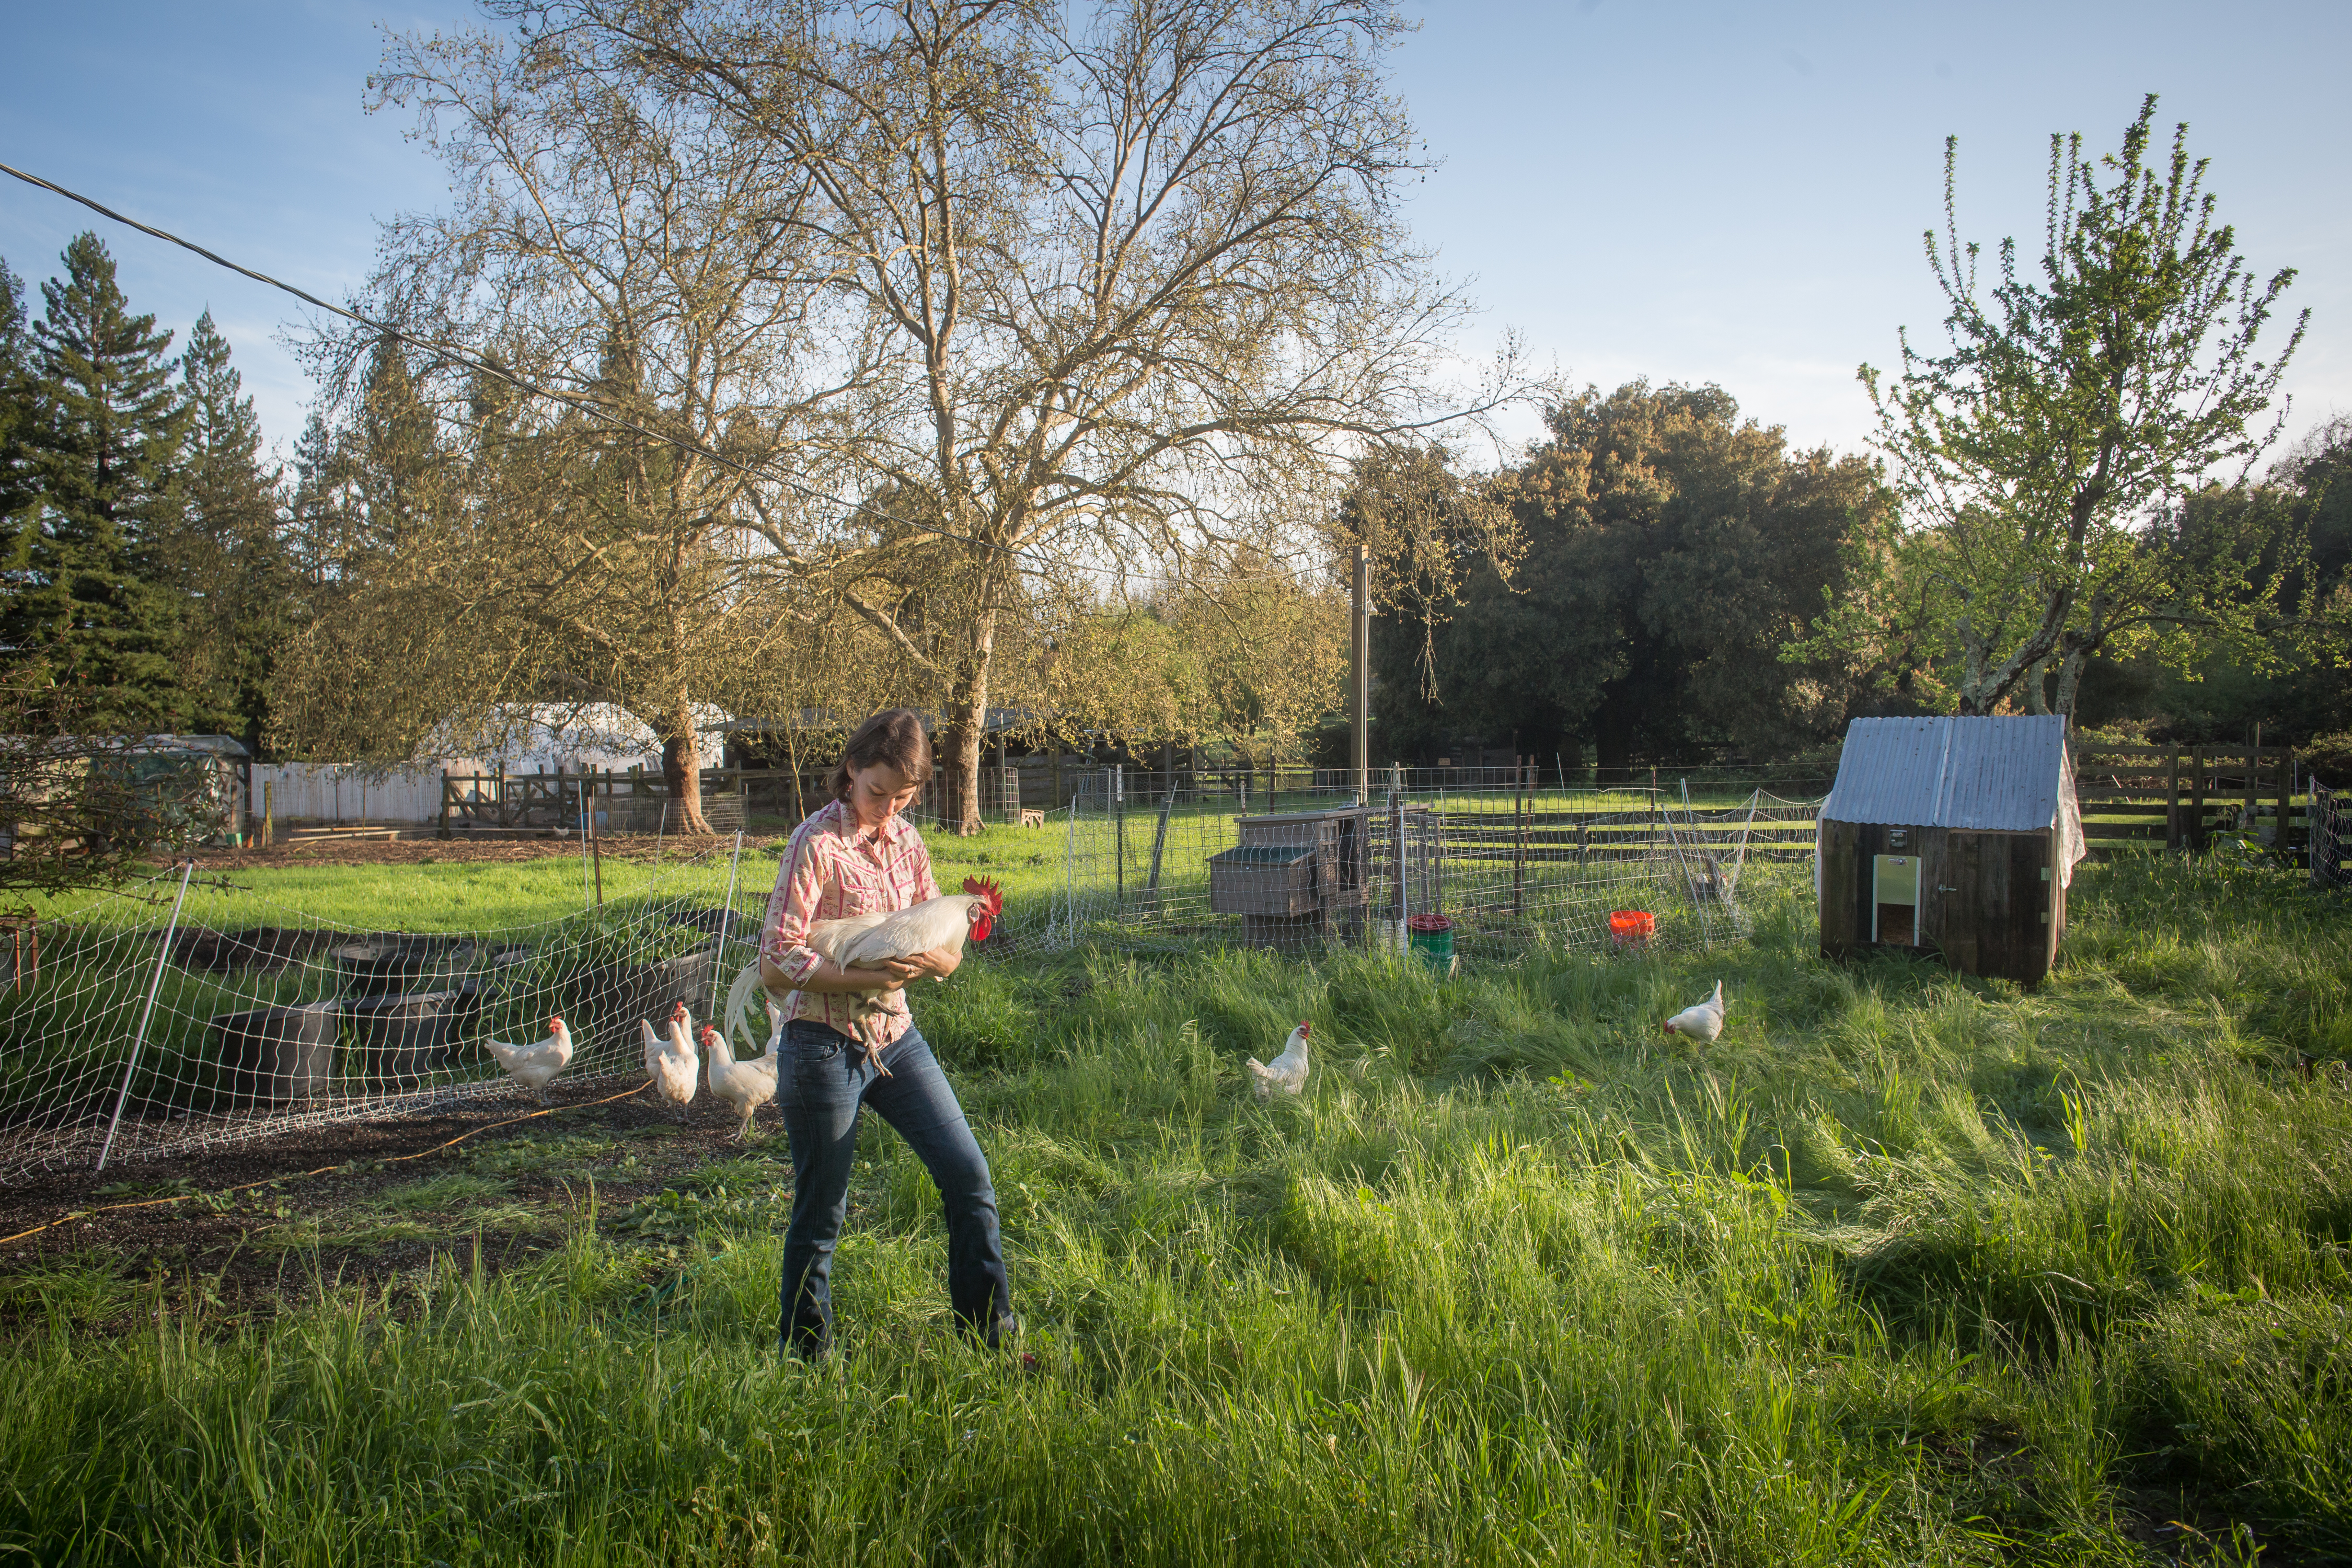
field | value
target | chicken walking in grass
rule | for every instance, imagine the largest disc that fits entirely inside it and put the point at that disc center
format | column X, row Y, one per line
column 745, row 1085
column 1286, row 1072
column 866, row 941
column 535, row 1063
column 1702, row 1023
column 671, row 1061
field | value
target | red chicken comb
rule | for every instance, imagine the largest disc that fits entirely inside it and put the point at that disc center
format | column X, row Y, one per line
column 979, row 888
column 555, row 1023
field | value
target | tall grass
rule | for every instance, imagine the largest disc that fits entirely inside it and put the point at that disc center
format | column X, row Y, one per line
column 1905, row 1268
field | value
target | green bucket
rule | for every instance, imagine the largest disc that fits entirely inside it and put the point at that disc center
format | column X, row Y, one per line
column 1432, row 939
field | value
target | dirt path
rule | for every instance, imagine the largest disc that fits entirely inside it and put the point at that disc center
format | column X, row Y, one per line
column 513, row 1189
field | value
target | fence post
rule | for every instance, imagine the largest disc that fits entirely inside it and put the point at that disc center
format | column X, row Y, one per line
column 1159, row 838
column 446, row 787
column 2196, row 797
column 726, row 916
column 2254, row 770
column 154, row 983
column 2285, row 777
column 1518, row 835
column 2173, row 836
column 1403, row 857
column 1113, row 798
column 268, row 814
column 596, row 850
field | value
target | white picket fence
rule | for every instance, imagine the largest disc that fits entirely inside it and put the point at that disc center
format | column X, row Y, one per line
column 347, row 792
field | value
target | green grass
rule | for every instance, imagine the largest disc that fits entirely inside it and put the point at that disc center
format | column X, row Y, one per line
column 1905, row 1268
column 458, row 896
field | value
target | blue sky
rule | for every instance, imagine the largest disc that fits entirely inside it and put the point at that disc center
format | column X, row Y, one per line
column 1699, row 193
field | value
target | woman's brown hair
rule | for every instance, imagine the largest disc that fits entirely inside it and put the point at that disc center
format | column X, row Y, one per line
column 894, row 736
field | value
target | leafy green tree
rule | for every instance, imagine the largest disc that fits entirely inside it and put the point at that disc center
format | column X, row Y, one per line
column 227, row 548
column 1669, row 550
column 85, row 596
column 2037, row 460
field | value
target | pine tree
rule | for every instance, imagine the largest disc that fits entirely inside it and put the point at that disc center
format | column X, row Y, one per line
column 228, row 550
column 18, row 487
column 86, row 600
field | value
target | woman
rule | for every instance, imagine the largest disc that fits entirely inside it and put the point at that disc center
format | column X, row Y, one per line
column 854, row 856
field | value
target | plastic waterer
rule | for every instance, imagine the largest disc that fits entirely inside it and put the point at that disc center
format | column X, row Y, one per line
column 1431, row 937
column 1631, row 929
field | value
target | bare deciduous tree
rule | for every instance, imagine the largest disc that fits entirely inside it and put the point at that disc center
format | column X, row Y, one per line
column 1133, row 278
column 597, row 534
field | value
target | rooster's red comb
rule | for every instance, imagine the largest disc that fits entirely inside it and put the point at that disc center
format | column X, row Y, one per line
column 980, row 888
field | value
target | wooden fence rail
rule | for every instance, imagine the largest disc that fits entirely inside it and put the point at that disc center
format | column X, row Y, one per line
column 2188, row 793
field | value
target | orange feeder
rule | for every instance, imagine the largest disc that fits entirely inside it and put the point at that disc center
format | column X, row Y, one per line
column 1630, row 927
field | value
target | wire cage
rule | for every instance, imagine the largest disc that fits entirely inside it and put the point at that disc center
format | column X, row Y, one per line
column 173, row 1016
column 1160, row 859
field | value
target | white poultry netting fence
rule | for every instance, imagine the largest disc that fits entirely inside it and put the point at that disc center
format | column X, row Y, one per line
column 171, row 1017
column 1152, row 859
column 2331, row 824
column 186, row 1013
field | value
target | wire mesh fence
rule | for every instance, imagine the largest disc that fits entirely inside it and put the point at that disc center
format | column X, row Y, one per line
column 2328, row 831
column 181, row 1013
column 150, row 1022
column 1154, row 859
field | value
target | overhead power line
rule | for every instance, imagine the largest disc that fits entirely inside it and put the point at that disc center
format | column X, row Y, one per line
column 588, row 406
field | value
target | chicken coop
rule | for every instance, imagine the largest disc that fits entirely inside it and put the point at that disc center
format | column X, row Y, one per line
column 1952, row 838
column 1297, row 879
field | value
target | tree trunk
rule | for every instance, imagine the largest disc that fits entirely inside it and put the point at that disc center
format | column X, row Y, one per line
column 682, row 770
column 1612, row 743
column 967, row 721
column 2037, row 689
column 2070, row 681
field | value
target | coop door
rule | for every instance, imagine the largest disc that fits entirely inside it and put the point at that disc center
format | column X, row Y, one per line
column 1894, row 899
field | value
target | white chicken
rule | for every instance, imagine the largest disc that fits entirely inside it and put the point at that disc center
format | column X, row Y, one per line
column 1288, row 1072
column 670, row 1062
column 746, row 1086
column 535, row 1063
column 1701, row 1023
column 865, row 941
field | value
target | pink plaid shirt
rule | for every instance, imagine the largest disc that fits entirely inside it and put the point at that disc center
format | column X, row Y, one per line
column 831, row 870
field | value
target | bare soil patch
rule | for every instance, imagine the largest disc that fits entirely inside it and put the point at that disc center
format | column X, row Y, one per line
column 508, row 1191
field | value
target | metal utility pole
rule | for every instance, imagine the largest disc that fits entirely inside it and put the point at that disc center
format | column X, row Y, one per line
column 1360, row 679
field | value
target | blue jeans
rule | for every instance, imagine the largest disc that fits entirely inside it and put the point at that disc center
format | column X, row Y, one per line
column 824, row 1082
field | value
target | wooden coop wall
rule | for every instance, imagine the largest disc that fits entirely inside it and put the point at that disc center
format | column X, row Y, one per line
column 1989, row 903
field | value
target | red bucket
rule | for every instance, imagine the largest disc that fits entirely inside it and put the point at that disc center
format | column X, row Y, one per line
column 1630, row 927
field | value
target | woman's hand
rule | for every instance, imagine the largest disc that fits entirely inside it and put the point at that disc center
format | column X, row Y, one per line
column 940, row 963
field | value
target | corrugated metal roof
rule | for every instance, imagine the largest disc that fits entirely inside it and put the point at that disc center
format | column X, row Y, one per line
column 2001, row 774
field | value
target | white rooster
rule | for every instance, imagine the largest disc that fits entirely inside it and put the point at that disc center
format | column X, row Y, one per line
column 535, row 1063
column 670, row 1063
column 746, row 1086
column 1288, row 1072
column 865, row 941
column 1701, row 1023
